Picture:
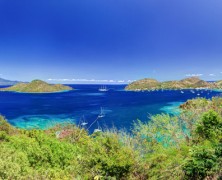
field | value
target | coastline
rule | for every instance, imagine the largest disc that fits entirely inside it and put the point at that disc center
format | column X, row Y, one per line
column 39, row 92
column 37, row 86
column 141, row 90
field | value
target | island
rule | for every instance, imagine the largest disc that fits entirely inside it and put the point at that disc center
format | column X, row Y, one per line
column 5, row 82
column 37, row 86
column 188, row 83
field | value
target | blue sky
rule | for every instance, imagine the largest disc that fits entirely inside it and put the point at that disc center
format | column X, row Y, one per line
column 99, row 41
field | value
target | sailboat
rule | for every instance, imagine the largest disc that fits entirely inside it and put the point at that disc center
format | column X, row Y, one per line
column 102, row 114
column 98, row 129
column 83, row 121
column 103, row 89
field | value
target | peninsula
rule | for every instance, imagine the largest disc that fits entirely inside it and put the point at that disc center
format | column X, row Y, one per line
column 188, row 83
column 37, row 86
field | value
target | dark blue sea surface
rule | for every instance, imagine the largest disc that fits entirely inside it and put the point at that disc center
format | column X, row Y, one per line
column 121, row 107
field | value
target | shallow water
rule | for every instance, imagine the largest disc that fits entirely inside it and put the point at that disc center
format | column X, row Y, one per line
column 121, row 107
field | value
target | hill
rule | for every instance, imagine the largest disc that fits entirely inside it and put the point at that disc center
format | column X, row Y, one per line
column 193, row 82
column 143, row 84
column 219, row 83
column 5, row 82
column 37, row 86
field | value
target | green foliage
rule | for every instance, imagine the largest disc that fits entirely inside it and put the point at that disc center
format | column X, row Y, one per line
column 6, row 127
column 44, row 151
column 161, row 129
column 203, row 162
column 106, row 156
column 76, row 155
column 13, row 163
column 188, row 146
column 205, row 155
column 198, row 103
column 210, row 126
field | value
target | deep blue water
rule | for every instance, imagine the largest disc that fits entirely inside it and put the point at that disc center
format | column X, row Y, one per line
column 121, row 107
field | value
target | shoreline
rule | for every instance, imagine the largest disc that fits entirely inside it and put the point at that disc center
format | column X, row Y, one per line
column 39, row 92
column 197, row 89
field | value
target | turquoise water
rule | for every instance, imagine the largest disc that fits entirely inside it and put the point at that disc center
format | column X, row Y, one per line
column 121, row 107
column 41, row 121
column 172, row 108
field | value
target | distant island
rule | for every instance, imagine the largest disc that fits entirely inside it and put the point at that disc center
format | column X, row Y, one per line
column 188, row 83
column 37, row 86
column 5, row 82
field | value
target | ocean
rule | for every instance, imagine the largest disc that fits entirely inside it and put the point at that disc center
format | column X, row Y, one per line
column 121, row 108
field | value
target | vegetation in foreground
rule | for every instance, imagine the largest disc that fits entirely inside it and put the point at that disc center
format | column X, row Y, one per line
column 188, row 146
column 37, row 86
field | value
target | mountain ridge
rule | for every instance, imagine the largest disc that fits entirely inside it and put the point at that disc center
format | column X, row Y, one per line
column 6, row 82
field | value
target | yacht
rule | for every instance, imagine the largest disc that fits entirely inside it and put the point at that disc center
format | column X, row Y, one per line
column 98, row 129
column 83, row 121
column 102, row 114
column 103, row 89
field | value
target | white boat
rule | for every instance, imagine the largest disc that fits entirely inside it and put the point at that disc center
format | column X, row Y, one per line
column 98, row 129
column 83, row 121
column 102, row 114
column 182, row 92
column 103, row 89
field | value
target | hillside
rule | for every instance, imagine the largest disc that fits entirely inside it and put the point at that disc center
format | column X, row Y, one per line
column 5, row 82
column 36, row 86
column 219, row 83
column 143, row 84
column 193, row 82
column 182, row 147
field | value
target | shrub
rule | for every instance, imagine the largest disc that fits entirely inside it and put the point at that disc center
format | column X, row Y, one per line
column 210, row 126
column 44, row 151
column 6, row 127
column 203, row 162
column 14, row 164
column 108, row 157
